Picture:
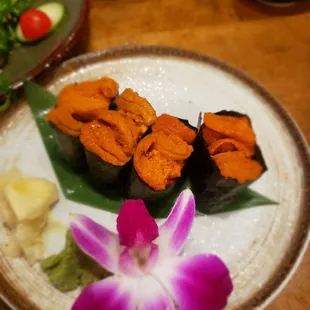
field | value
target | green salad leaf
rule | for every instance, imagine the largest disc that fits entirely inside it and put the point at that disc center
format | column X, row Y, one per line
column 7, row 93
column 10, row 12
column 20, row 6
column 4, row 40
column 5, row 8
column 4, row 83
column 76, row 187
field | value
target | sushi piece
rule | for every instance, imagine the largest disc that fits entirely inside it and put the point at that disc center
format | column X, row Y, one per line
column 157, row 166
column 169, row 125
column 109, row 144
column 137, row 108
column 78, row 104
column 101, row 91
column 226, row 159
column 173, row 129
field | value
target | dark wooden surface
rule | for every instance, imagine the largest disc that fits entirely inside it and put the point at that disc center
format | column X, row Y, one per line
column 271, row 45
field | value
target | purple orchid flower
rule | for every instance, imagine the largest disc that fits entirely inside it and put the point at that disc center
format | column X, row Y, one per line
column 148, row 274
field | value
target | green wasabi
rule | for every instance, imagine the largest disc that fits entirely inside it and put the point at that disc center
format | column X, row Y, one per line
column 72, row 268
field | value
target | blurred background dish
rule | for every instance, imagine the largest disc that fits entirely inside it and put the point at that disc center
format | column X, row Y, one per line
column 280, row 3
column 27, row 61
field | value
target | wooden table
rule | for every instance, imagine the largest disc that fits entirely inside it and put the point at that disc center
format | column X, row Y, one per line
column 273, row 46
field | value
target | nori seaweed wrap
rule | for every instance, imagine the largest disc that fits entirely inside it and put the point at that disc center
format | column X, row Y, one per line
column 226, row 159
column 160, row 158
column 109, row 144
column 70, row 149
column 78, row 104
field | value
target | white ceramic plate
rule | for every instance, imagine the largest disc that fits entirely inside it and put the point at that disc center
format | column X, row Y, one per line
column 262, row 246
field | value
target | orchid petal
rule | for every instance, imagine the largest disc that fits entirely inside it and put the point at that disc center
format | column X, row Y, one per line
column 135, row 226
column 200, row 282
column 175, row 230
column 96, row 241
column 108, row 294
column 153, row 258
column 137, row 261
column 127, row 265
column 124, row 293
column 152, row 296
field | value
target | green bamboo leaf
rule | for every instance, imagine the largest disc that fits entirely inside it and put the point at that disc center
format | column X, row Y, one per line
column 247, row 198
column 4, row 83
column 6, row 104
column 76, row 186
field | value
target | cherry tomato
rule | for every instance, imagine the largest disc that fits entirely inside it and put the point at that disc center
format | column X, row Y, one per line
column 35, row 24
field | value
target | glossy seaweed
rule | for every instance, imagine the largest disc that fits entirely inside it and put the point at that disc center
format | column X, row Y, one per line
column 138, row 189
column 213, row 191
column 71, row 149
column 102, row 173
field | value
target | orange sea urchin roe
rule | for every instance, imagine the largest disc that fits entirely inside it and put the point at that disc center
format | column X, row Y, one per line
column 111, row 137
column 210, row 136
column 231, row 143
column 80, row 103
column 71, row 119
column 159, row 159
column 99, row 91
column 169, row 125
column 235, row 165
column 131, row 105
column 237, row 128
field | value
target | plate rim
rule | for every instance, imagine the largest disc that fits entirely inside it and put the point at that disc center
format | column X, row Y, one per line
column 300, row 239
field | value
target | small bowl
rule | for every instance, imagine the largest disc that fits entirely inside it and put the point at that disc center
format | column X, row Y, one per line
column 28, row 61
